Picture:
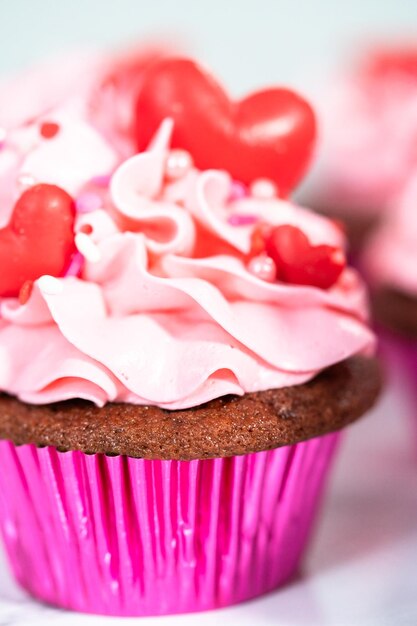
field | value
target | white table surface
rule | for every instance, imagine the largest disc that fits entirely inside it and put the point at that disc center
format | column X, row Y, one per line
column 362, row 565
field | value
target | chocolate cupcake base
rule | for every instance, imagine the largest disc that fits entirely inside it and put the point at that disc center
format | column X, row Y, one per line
column 228, row 426
column 156, row 534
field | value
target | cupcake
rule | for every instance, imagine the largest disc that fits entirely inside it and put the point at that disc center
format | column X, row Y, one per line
column 180, row 350
column 390, row 263
column 369, row 127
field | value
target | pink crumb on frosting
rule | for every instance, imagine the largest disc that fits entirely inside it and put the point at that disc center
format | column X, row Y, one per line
column 76, row 265
column 242, row 220
column 102, row 180
column 87, row 202
column 238, row 191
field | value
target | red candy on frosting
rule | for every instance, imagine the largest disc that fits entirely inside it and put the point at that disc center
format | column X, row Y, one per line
column 300, row 263
column 48, row 130
column 39, row 238
column 268, row 134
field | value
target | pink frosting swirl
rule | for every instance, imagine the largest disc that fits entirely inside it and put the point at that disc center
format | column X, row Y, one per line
column 166, row 311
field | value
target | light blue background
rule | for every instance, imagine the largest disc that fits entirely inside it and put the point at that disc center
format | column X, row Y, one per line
column 247, row 42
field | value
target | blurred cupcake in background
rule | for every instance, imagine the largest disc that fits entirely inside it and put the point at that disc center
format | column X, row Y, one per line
column 390, row 263
column 369, row 138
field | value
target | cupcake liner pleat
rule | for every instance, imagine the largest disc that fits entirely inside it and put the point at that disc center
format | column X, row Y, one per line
column 122, row 536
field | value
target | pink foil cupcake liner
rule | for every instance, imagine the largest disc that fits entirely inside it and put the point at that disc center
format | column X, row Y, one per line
column 122, row 536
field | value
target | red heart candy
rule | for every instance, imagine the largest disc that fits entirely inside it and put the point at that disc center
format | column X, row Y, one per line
column 299, row 262
column 39, row 238
column 269, row 134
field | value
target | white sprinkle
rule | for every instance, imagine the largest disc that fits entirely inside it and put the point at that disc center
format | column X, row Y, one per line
column 263, row 189
column 50, row 285
column 86, row 246
column 25, row 181
column 178, row 163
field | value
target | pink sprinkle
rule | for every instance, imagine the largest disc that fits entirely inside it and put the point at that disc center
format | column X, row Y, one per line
column 75, row 266
column 87, row 202
column 242, row 220
column 102, row 180
column 238, row 191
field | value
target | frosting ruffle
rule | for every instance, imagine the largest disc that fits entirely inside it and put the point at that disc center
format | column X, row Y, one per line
column 168, row 313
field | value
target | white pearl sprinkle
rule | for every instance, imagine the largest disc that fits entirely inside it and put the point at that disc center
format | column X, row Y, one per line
column 263, row 267
column 50, row 285
column 263, row 189
column 178, row 163
column 25, row 181
column 86, row 246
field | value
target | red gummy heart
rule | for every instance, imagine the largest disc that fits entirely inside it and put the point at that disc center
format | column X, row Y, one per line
column 39, row 238
column 269, row 134
column 299, row 262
